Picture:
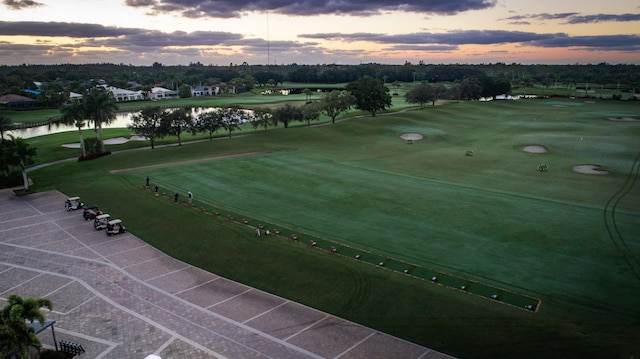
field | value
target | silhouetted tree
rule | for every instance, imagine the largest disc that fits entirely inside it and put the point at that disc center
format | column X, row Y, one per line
column 370, row 94
column 148, row 123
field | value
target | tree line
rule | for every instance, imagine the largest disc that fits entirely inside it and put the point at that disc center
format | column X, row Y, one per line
column 78, row 78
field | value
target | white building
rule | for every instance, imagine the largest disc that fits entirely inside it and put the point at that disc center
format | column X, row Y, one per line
column 159, row 93
column 73, row 96
column 127, row 95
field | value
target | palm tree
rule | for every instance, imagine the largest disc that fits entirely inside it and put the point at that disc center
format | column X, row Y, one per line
column 101, row 109
column 5, row 125
column 15, row 335
column 21, row 155
column 74, row 114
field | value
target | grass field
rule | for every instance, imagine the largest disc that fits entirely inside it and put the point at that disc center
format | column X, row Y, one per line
column 568, row 238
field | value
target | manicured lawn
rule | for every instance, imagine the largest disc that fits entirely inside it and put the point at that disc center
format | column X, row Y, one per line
column 568, row 238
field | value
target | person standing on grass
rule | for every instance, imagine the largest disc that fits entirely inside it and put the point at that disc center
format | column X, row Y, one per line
column 190, row 195
column 147, row 185
column 175, row 197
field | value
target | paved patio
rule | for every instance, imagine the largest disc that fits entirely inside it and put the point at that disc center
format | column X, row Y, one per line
column 121, row 298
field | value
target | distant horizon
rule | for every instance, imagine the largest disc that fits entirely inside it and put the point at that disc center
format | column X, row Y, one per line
column 328, row 64
column 346, row 32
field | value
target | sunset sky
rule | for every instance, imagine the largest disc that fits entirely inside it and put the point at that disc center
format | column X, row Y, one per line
column 174, row 32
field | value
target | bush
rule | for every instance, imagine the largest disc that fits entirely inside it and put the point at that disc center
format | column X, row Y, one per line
column 13, row 179
column 92, row 145
column 543, row 167
column 91, row 156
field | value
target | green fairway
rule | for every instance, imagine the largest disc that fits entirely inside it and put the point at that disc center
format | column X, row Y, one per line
column 570, row 239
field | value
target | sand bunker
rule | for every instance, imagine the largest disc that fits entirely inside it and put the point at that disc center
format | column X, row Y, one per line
column 590, row 169
column 411, row 136
column 535, row 149
column 111, row 141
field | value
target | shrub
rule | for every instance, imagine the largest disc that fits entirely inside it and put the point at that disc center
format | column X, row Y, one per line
column 91, row 156
column 13, row 179
column 543, row 167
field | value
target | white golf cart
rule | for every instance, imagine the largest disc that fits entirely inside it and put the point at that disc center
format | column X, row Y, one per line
column 115, row 227
column 73, row 203
column 100, row 222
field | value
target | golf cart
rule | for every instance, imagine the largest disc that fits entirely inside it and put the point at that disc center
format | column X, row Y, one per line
column 91, row 211
column 115, row 227
column 73, row 203
column 100, row 222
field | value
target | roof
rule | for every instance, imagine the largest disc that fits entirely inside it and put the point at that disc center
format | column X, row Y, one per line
column 11, row 98
column 161, row 89
column 115, row 221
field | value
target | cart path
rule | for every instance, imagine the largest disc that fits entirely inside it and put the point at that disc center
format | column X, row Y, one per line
column 198, row 160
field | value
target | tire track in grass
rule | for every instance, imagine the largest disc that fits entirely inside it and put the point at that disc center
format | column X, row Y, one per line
column 360, row 292
column 610, row 218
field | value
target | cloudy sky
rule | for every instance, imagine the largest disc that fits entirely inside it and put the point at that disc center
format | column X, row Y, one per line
column 220, row 32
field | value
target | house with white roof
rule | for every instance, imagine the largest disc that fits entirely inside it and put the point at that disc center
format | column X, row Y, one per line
column 126, row 95
column 159, row 93
column 74, row 96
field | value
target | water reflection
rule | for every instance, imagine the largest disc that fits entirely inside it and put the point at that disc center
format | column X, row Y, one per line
column 122, row 120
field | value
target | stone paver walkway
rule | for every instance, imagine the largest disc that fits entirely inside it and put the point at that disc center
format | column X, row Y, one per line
column 121, row 298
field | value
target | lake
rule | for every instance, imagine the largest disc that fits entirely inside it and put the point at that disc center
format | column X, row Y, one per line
column 122, row 120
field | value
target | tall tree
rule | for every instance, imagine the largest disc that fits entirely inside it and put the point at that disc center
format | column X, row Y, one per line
column 74, row 114
column 262, row 116
column 424, row 93
column 286, row 114
column 5, row 125
column 15, row 335
column 210, row 122
column 148, row 123
column 470, row 88
column 101, row 109
column 184, row 91
column 370, row 94
column 177, row 121
column 21, row 155
column 336, row 102
column 231, row 118
column 310, row 112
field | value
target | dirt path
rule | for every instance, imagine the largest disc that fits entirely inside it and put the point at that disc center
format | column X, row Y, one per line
column 178, row 163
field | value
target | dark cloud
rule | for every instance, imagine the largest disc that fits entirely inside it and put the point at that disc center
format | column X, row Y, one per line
column 492, row 37
column 428, row 48
column 117, row 36
column 34, row 28
column 21, row 4
column 603, row 18
column 599, row 43
column 485, row 37
column 235, row 8
column 574, row 18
